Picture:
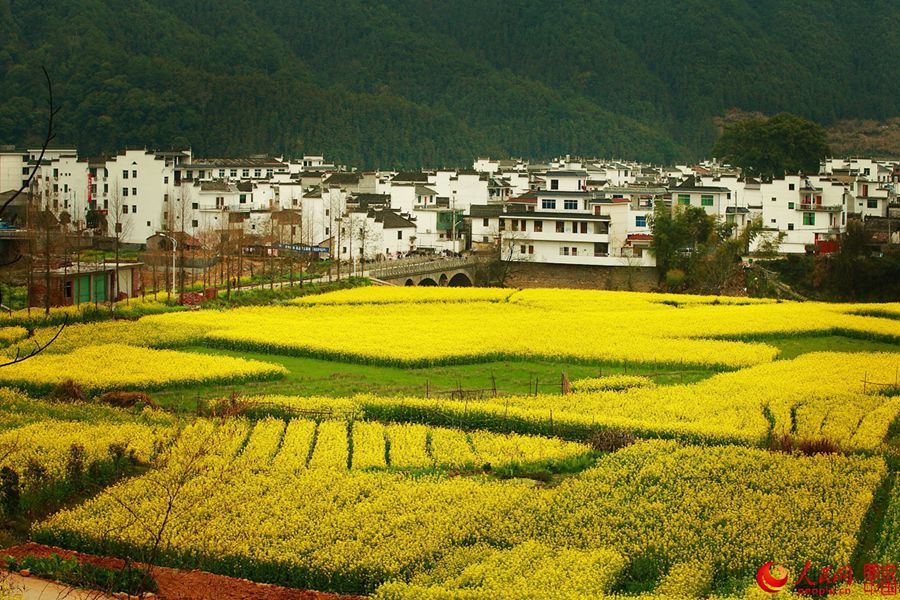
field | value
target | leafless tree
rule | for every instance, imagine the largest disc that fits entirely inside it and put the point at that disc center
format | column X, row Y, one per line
column 121, row 226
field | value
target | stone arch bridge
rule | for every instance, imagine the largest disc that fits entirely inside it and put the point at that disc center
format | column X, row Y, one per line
column 445, row 272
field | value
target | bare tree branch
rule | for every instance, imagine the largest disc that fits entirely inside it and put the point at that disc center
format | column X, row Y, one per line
column 38, row 347
column 51, row 113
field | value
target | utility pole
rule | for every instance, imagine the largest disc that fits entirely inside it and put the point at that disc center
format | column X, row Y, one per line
column 340, row 222
column 453, row 221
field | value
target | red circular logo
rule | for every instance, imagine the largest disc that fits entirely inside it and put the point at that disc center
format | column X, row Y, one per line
column 771, row 577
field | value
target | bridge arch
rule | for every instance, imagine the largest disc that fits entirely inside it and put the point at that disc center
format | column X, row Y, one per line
column 409, row 282
column 442, row 280
column 427, row 282
column 460, row 280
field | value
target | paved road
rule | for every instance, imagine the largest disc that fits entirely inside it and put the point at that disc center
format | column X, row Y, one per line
column 32, row 588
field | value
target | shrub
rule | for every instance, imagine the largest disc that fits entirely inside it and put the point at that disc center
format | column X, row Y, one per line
column 67, row 391
column 127, row 399
column 674, row 279
column 10, row 491
column 610, row 440
column 810, row 446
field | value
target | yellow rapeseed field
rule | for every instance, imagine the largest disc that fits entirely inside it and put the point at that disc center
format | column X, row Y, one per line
column 120, row 366
column 731, row 508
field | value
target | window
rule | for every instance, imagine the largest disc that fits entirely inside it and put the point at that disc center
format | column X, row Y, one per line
column 554, row 184
column 105, row 188
column 866, row 171
column 269, row 173
column 148, row 223
column 684, row 199
column 165, row 197
column 134, row 208
column 872, row 203
column 570, row 204
column 640, row 221
column 564, row 251
column 484, row 222
column 94, row 189
column 257, row 172
column 166, row 180
column 522, row 224
column 68, row 289
column 134, row 191
column 790, row 226
column 221, row 173
column 574, row 227
column 24, row 170
column 194, row 223
column 195, row 205
column 530, row 249
column 245, row 172
column 233, row 172
column 790, row 186
column 124, row 191
column 809, row 218
column 243, row 198
column 399, row 234
column 125, row 174
column 574, row 251
column 706, row 200
column 560, row 227
column 774, row 221
column 201, row 175
column 790, row 205
column 124, row 209
column 548, row 203
column 538, row 226
column 134, row 174
column 584, row 227
column 502, row 224
column 522, row 249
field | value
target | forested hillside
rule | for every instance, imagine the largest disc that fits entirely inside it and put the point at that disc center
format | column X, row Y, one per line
column 410, row 83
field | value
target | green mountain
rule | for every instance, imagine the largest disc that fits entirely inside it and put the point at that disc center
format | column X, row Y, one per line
column 410, row 83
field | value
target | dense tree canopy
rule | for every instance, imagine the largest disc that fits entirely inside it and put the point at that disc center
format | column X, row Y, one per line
column 771, row 147
column 413, row 82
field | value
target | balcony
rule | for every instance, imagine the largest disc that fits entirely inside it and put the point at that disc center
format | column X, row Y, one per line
column 811, row 206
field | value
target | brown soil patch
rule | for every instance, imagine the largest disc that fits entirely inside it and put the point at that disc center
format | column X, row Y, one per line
column 175, row 584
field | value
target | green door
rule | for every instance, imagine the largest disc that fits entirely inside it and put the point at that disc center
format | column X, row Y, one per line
column 99, row 287
column 83, row 288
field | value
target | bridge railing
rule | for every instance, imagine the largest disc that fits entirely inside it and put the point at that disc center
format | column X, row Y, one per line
column 418, row 267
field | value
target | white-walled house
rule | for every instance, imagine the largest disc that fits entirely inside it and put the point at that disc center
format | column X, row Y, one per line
column 806, row 211
column 374, row 234
column 571, row 226
column 140, row 184
column 712, row 199
column 14, row 168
